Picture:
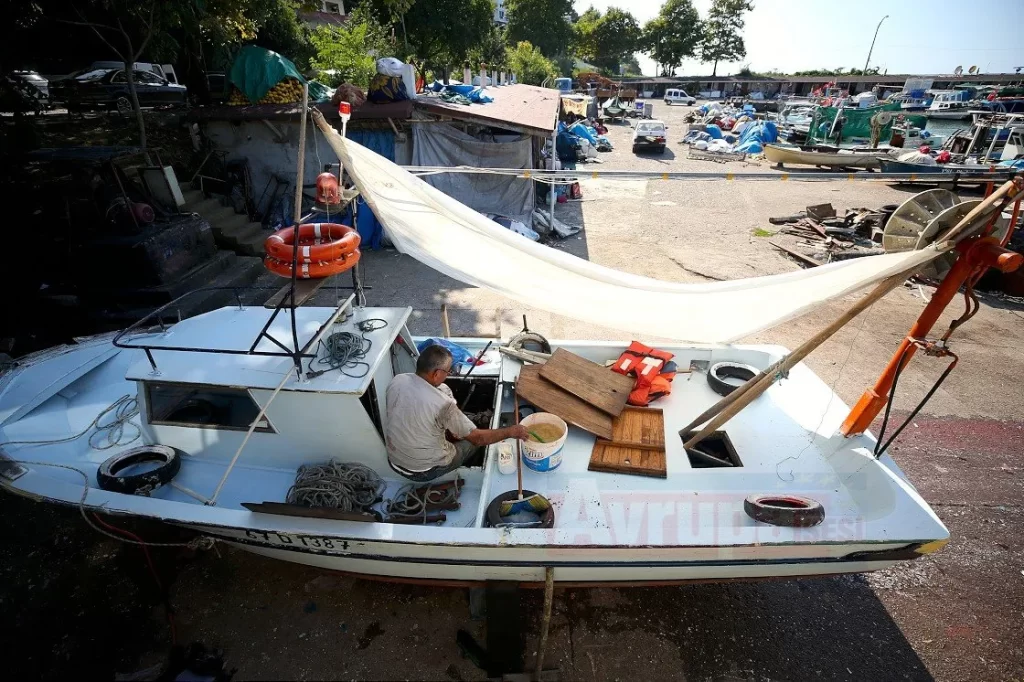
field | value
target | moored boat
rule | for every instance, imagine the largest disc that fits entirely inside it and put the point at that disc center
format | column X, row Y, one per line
column 889, row 165
column 796, row 156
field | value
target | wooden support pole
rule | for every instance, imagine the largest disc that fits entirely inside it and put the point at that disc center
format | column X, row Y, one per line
column 759, row 384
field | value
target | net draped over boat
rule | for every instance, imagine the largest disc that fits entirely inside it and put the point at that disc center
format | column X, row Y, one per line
column 452, row 238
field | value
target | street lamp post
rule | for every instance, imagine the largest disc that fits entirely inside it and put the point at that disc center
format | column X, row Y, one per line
column 872, row 49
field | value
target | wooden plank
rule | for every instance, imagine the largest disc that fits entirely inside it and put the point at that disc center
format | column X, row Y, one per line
column 305, row 289
column 282, row 509
column 637, row 445
column 606, row 390
column 544, row 395
column 796, row 254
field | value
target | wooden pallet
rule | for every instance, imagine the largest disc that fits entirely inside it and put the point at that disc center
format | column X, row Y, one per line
column 637, row 444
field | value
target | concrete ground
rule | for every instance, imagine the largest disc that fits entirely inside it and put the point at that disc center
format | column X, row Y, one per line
column 955, row 615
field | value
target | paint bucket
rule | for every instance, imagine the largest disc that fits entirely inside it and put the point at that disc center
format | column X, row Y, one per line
column 543, row 456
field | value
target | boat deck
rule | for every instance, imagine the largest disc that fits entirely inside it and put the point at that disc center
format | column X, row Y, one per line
column 784, row 441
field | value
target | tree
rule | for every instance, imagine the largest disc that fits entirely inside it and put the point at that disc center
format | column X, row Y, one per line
column 529, row 65
column 609, row 39
column 349, row 52
column 442, row 32
column 492, row 50
column 673, row 35
column 722, row 40
column 631, row 66
column 543, row 23
column 126, row 27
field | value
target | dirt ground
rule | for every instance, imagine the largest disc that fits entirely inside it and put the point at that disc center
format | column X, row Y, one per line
column 78, row 604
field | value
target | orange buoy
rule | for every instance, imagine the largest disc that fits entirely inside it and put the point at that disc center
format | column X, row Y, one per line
column 318, row 242
column 313, row 270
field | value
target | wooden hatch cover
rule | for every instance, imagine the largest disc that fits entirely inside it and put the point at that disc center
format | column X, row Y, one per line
column 544, row 395
column 637, row 445
column 606, row 390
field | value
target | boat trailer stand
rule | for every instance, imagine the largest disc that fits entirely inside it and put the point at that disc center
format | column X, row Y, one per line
column 498, row 603
column 974, row 258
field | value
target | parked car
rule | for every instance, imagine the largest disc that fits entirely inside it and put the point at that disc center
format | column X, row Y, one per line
column 108, row 89
column 24, row 91
column 165, row 71
column 650, row 135
column 679, row 97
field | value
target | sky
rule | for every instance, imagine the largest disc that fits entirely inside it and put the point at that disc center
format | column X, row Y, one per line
column 918, row 37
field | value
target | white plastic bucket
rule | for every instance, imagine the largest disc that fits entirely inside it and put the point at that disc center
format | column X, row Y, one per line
column 543, row 456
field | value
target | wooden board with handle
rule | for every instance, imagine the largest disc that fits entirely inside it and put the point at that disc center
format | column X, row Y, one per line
column 637, row 445
column 544, row 395
column 606, row 390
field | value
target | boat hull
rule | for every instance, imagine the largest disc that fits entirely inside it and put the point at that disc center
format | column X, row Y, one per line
column 949, row 115
column 894, row 166
column 798, row 157
column 578, row 573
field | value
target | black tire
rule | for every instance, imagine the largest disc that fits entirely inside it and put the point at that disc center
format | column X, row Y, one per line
column 784, row 510
column 728, row 370
column 107, row 474
column 660, row 150
column 494, row 518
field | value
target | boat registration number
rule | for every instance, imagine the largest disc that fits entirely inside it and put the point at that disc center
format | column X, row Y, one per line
column 311, row 541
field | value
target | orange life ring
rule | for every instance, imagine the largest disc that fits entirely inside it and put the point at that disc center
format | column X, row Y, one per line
column 318, row 242
column 317, row 270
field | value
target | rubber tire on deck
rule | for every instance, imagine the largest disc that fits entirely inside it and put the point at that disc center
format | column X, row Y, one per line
column 108, row 479
column 784, row 510
column 493, row 518
column 732, row 370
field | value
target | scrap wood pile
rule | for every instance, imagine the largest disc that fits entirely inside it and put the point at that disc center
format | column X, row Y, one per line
column 823, row 236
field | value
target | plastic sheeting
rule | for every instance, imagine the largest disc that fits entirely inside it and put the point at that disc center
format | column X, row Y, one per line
column 459, row 242
column 443, row 145
column 256, row 70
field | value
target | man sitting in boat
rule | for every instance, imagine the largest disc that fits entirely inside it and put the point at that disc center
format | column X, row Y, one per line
column 427, row 434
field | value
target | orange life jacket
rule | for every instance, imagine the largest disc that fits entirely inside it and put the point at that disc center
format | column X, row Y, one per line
column 646, row 364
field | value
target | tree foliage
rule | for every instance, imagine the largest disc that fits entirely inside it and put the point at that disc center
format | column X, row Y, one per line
column 529, row 64
column 440, row 32
column 606, row 40
column 873, row 71
column 723, row 39
column 348, row 54
column 673, row 35
column 543, row 23
column 492, row 50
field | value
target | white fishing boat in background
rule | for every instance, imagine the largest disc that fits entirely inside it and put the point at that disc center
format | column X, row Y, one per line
column 952, row 106
column 222, row 410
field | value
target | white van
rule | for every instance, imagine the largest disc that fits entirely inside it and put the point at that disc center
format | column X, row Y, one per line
column 679, row 97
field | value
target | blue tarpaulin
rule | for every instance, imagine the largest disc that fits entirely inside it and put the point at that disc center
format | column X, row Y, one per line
column 383, row 142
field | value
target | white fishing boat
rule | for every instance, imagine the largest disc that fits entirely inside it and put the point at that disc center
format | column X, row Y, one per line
column 230, row 404
column 950, row 106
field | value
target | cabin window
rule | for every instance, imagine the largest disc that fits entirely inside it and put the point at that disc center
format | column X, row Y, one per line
column 205, row 407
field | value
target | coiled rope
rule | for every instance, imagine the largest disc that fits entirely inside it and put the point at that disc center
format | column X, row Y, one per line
column 346, row 486
column 107, row 435
column 409, row 502
column 347, row 349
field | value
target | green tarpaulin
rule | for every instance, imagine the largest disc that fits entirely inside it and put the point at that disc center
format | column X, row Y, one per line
column 256, row 70
column 857, row 124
